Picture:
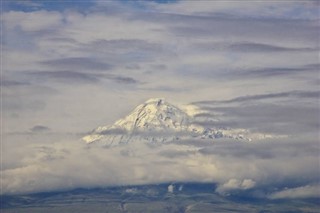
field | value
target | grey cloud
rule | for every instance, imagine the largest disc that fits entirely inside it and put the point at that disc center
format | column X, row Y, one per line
column 263, row 149
column 77, row 63
column 18, row 104
column 124, row 80
column 270, row 72
column 11, row 83
column 40, row 129
column 117, row 78
column 275, row 72
column 295, row 94
column 124, row 45
column 238, row 28
column 219, row 123
column 176, row 154
column 65, row 76
column 80, row 77
column 245, row 47
column 23, row 97
column 292, row 112
column 159, row 67
column 281, row 119
column 256, row 47
column 133, row 67
column 290, row 94
column 313, row 66
column 113, row 132
column 226, row 73
column 124, row 51
column 164, row 88
column 63, row 40
column 253, row 29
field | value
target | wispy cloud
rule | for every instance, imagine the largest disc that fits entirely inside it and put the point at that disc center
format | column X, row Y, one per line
column 290, row 94
column 68, row 76
column 39, row 129
column 308, row 191
column 80, row 63
column 250, row 47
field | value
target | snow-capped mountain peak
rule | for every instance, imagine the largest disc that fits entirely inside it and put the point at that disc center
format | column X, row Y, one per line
column 154, row 115
column 156, row 121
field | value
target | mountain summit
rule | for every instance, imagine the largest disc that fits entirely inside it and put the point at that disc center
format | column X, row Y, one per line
column 156, row 121
column 155, row 115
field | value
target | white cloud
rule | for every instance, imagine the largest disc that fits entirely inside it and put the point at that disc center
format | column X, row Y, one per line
column 32, row 21
column 170, row 188
column 308, row 191
column 235, row 184
column 54, row 166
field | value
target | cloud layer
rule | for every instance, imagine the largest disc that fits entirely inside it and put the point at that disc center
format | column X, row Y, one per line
column 67, row 70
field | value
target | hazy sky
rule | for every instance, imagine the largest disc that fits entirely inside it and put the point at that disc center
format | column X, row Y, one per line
column 69, row 67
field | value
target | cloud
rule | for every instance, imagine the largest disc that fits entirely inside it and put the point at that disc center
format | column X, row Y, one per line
column 290, row 94
column 71, row 77
column 234, row 184
column 67, row 76
column 253, row 29
column 256, row 47
column 308, row 191
column 124, row 45
column 292, row 9
column 122, row 79
column 286, row 119
column 32, row 21
column 239, row 167
column 79, row 63
column 281, row 113
column 245, row 47
column 277, row 71
column 39, row 129
column 171, row 188
column 9, row 83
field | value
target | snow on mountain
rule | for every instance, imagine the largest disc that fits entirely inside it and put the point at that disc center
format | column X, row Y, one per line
column 156, row 121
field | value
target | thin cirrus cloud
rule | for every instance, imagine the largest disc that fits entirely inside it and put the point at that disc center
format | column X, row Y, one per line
column 64, row 76
column 235, row 28
column 251, row 47
column 278, row 119
column 281, row 113
column 77, row 63
column 290, row 94
column 278, row 71
column 79, row 77
column 256, row 72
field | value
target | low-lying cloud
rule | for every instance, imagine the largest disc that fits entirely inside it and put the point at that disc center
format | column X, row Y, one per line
column 232, row 165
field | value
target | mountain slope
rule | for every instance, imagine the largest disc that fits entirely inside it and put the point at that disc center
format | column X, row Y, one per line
column 156, row 121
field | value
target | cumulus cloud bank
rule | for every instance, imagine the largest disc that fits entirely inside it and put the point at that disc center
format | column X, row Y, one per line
column 233, row 165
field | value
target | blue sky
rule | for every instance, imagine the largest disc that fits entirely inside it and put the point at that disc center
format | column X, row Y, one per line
column 61, row 5
column 69, row 67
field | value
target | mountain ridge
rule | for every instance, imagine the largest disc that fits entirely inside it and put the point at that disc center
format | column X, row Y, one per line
column 158, row 121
